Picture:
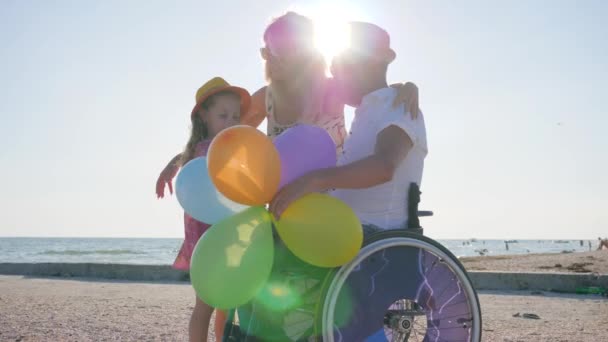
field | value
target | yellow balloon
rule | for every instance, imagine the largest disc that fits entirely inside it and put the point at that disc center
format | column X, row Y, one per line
column 321, row 230
column 244, row 165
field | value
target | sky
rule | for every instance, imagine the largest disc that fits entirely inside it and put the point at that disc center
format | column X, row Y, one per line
column 95, row 99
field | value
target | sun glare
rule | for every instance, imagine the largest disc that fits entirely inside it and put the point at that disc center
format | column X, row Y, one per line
column 331, row 35
column 331, row 28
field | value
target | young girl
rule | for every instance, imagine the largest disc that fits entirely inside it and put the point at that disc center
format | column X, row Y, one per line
column 218, row 106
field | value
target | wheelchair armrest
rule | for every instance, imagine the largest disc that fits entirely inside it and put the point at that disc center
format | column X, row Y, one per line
column 423, row 213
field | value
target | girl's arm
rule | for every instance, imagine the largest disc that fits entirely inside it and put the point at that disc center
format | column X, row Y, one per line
column 257, row 110
column 166, row 176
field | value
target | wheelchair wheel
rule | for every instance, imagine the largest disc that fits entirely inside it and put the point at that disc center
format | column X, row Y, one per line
column 400, row 287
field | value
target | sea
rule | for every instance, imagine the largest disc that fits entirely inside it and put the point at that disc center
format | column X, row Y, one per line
column 162, row 251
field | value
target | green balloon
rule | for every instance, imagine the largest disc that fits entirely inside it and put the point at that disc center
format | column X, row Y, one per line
column 232, row 261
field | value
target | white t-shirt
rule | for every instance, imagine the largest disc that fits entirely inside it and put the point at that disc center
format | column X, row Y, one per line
column 384, row 205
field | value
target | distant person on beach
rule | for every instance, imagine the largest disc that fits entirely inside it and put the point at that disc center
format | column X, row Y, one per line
column 218, row 106
column 603, row 244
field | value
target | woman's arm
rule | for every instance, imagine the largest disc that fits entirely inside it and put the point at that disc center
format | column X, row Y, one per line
column 257, row 110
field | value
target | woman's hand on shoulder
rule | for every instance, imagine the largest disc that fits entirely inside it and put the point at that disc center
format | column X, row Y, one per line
column 407, row 95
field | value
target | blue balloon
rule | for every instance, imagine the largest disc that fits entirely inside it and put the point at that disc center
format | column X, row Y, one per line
column 199, row 197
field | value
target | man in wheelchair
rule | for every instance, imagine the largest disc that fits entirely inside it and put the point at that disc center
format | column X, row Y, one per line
column 385, row 150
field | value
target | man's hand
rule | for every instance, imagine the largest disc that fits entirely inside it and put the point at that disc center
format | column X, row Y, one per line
column 292, row 192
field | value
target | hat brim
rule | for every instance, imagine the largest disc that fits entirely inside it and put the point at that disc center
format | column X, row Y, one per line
column 385, row 56
column 241, row 92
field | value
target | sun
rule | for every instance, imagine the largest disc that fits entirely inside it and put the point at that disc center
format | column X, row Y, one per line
column 332, row 33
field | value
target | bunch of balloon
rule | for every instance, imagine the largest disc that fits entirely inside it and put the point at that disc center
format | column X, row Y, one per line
column 229, row 189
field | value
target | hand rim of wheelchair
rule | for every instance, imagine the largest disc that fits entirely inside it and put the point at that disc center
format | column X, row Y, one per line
column 375, row 243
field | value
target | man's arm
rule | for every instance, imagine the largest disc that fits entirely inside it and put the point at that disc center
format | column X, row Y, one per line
column 392, row 146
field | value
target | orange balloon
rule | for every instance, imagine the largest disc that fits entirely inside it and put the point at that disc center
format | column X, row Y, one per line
column 244, row 165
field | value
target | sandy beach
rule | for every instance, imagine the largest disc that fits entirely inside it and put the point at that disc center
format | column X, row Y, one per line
column 42, row 309
column 63, row 309
column 586, row 262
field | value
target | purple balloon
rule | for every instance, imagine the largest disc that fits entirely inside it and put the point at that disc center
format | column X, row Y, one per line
column 304, row 148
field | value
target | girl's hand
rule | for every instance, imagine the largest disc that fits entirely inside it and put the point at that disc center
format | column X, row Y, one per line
column 166, row 177
column 408, row 95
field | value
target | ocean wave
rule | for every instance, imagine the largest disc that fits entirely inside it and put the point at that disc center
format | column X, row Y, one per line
column 100, row 251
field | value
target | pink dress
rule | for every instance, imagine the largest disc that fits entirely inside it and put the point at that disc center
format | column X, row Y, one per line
column 193, row 229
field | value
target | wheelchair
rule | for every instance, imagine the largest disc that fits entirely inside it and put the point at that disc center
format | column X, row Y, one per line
column 402, row 286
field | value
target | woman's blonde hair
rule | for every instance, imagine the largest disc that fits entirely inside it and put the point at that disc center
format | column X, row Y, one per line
column 297, row 32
